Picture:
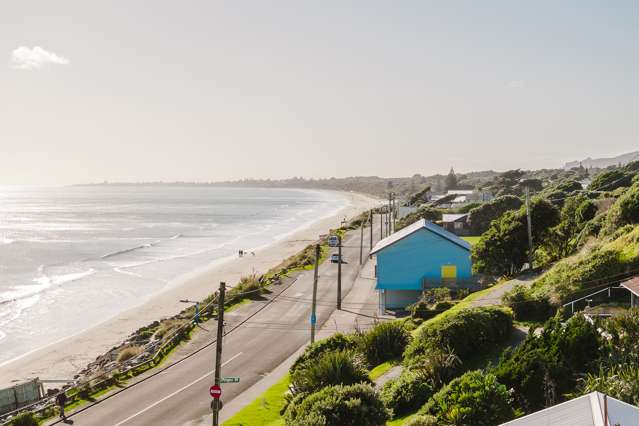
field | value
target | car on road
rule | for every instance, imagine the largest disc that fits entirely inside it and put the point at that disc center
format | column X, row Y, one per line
column 335, row 258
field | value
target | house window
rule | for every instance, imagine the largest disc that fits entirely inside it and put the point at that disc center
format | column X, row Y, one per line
column 459, row 225
column 449, row 272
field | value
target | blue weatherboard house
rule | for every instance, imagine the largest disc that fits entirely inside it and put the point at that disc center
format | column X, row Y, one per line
column 418, row 257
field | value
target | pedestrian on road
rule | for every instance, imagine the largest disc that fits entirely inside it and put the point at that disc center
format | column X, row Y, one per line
column 61, row 400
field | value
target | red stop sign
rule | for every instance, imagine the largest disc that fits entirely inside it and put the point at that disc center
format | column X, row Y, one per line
column 215, row 391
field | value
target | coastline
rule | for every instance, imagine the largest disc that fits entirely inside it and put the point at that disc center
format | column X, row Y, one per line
column 65, row 358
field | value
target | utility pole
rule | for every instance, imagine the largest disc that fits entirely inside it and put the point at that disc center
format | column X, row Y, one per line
column 388, row 221
column 394, row 212
column 530, row 241
column 339, row 273
column 361, row 240
column 218, row 349
column 381, row 224
column 313, row 316
column 371, row 217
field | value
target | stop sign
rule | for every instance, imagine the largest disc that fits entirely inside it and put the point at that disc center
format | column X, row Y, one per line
column 215, row 391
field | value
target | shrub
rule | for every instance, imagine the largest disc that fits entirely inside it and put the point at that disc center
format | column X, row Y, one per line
column 406, row 393
column 337, row 342
column 526, row 307
column 544, row 367
column 592, row 267
column 586, row 211
column 475, row 398
column 465, row 332
column 332, row 368
column 24, row 419
column 625, row 211
column 621, row 383
column 384, row 342
column 422, row 420
column 621, row 344
column 128, row 353
column 440, row 366
column 356, row 405
column 249, row 286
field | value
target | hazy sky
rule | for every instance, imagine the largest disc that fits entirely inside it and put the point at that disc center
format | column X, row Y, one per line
column 203, row 90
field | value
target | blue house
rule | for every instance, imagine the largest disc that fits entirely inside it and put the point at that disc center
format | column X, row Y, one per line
column 418, row 257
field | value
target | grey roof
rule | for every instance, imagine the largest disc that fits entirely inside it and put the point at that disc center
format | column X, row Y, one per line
column 453, row 217
column 632, row 285
column 416, row 226
column 587, row 410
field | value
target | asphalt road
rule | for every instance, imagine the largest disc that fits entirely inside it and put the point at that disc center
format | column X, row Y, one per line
column 277, row 327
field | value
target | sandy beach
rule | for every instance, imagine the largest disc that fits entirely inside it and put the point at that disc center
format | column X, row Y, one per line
column 63, row 359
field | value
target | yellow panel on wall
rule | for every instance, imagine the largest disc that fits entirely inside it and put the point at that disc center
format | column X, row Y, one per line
column 449, row 272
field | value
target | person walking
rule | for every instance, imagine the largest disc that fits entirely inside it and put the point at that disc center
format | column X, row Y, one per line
column 61, row 400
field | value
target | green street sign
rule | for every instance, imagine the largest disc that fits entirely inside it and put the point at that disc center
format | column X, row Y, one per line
column 230, row 380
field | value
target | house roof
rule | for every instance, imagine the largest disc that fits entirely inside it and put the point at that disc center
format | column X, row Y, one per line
column 587, row 410
column 632, row 285
column 453, row 217
column 416, row 226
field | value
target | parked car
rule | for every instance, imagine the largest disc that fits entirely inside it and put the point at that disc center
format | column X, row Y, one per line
column 333, row 241
column 335, row 258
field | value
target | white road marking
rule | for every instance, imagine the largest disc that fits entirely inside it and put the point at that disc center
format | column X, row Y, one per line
column 298, row 294
column 176, row 392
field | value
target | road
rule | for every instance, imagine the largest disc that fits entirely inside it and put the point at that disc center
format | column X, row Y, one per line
column 274, row 329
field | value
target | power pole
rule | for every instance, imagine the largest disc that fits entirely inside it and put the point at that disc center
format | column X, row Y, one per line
column 339, row 273
column 361, row 240
column 313, row 316
column 371, row 217
column 381, row 224
column 218, row 349
column 394, row 212
column 388, row 207
column 530, row 241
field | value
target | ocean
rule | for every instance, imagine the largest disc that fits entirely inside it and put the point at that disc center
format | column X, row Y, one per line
column 73, row 257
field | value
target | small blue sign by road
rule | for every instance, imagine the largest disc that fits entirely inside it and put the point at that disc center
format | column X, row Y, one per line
column 313, row 319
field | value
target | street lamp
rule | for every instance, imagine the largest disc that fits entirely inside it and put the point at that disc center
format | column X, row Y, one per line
column 197, row 309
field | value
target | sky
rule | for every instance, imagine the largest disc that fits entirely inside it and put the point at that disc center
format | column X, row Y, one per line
column 210, row 90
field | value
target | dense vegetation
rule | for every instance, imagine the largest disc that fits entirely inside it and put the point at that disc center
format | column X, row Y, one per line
column 356, row 405
column 464, row 333
column 475, row 398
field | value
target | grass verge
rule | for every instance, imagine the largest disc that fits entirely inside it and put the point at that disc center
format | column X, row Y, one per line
column 265, row 409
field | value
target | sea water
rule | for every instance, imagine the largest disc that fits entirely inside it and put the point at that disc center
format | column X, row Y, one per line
column 73, row 257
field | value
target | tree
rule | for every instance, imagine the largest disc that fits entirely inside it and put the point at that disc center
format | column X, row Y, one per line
column 475, row 398
column 503, row 248
column 507, row 182
column 451, row 180
column 544, row 368
column 480, row 217
column 611, row 180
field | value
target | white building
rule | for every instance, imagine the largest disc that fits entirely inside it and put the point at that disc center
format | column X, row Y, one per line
column 594, row 409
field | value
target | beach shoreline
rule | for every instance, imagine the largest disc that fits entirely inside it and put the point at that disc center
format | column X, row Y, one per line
column 67, row 357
